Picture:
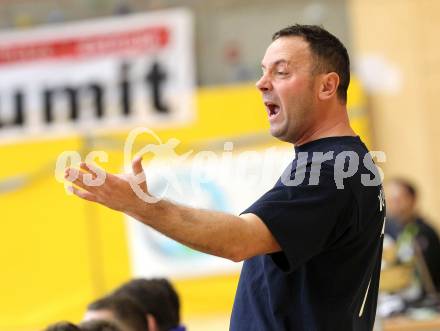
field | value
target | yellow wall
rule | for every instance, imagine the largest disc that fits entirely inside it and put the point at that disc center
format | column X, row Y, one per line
column 58, row 253
column 406, row 121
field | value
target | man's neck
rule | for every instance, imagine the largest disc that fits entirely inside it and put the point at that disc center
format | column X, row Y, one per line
column 334, row 124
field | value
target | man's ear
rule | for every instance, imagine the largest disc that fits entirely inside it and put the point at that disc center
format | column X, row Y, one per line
column 152, row 324
column 328, row 86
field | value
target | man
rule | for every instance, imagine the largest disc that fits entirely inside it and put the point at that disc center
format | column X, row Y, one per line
column 158, row 300
column 121, row 311
column 405, row 222
column 312, row 249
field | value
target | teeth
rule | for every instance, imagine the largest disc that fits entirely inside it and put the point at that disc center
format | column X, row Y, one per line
column 272, row 108
column 274, row 111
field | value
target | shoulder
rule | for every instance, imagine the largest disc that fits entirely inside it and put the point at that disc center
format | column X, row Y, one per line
column 425, row 228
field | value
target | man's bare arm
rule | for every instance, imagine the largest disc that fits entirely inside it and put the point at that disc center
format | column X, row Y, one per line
column 225, row 235
column 232, row 237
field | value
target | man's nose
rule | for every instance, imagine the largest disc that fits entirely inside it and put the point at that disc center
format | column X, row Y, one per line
column 264, row 84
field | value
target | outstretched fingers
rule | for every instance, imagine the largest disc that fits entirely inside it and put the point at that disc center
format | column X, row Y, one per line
column 77, row 178
column 83, row 194
column 85, row 167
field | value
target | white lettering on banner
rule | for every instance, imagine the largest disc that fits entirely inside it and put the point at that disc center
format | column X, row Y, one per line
column 100, row 74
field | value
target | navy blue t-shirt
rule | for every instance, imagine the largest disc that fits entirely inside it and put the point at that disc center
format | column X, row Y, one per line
column 329, row 226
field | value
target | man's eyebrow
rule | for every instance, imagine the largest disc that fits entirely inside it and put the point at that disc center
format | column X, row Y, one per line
column 274, row 64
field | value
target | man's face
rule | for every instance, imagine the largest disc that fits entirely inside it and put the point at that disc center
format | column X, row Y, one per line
column 400, row 204
column 288, row 88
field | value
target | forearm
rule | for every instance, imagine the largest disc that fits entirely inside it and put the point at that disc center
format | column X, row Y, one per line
column 232, row 237
column 211, row 232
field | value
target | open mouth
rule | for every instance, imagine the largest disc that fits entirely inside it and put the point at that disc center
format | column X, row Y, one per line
column 272, row 109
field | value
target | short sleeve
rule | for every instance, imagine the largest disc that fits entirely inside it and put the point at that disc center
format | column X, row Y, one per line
column 302, row 218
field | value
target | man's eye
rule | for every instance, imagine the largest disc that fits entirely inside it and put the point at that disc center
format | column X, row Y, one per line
column 282, row 73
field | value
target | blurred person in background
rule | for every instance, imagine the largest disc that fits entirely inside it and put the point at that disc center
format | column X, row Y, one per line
column 159, row 302
column 99, row 325
column 311, row 252
column 122, row 311
column 95, row 325
column 406, row 226
column 238, row 70
column 62, row 326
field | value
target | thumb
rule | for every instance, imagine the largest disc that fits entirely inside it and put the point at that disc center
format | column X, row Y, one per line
column 138, row 171
column 136, row 165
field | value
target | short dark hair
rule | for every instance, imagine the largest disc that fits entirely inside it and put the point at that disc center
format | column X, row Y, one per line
column 62, row 326
column 125, row 309
column 409, row 187
column 157, row 297
column 330, row 54
column 99, row 325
